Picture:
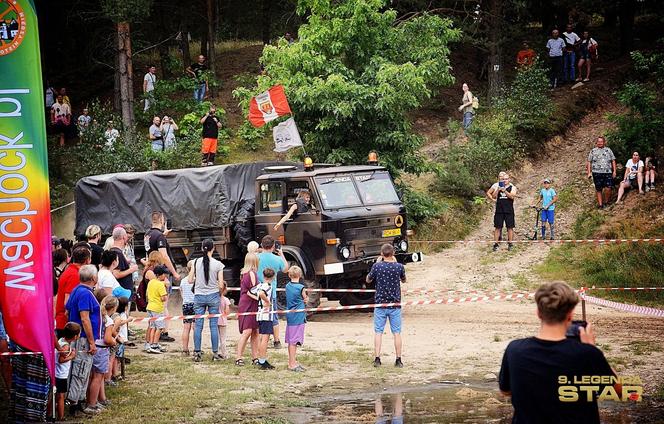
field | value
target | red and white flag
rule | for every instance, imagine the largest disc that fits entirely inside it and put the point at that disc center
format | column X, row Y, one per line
column 268, row 106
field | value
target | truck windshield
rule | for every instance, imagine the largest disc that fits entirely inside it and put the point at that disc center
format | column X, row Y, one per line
column 338, row 192
column 376, row 188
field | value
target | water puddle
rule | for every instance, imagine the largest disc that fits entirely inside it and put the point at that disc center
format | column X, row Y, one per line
column 445, row 402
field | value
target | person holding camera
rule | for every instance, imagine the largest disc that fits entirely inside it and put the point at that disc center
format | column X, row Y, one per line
column 211, row 125
column 563, row 352
column 503, row 194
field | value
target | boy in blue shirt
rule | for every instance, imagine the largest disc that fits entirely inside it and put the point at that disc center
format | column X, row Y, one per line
column 296, row 298
column 548, row 197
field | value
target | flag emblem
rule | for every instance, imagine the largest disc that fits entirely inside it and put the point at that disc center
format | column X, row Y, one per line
column 268, row 106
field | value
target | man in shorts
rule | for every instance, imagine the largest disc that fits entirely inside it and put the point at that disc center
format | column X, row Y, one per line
column 601, row 167
column 388, row 274
column 211, row 125
column 503, row 194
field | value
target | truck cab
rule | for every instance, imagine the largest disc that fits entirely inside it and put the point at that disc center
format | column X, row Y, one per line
column 354, row 211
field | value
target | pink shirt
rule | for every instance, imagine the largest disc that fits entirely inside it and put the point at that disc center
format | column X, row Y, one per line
column 222, row 307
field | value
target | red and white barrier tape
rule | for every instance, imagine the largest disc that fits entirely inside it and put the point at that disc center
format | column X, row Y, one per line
column 623, row 288
column 407, row 291
column 562, row 241
column 642, row 310
column 351, row 307
column 19, row 353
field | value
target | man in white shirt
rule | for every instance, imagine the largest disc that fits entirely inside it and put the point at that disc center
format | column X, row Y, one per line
column 555, row 46
column 149, row 80
column 633, row 176
column 569, row 54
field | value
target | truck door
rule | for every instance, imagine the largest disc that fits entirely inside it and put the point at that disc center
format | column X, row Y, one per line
column 303, row 230
column 270, row 209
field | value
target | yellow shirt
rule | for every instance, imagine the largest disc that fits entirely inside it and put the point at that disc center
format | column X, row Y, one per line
column 156, row 289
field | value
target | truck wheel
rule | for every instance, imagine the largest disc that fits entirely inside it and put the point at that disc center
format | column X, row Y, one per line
column 242, row 227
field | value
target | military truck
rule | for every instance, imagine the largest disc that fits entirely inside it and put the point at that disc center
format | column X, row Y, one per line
column 355, row 210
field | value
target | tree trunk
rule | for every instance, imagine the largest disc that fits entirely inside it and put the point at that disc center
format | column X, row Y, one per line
column 184, row 46
column 496, row 73
column 117, row 107
column 163, row 49
column 610, row 16
column 211, row 45
column 204, row 43
column 125, row 72
column 267, row 20
column 627, row 12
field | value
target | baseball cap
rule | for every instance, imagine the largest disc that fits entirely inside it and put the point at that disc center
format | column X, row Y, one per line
column 547, row 180
column 160, row 270
column 121, row 292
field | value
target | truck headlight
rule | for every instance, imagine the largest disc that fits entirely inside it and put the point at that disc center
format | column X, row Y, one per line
column 344, row 252
column 403, row 246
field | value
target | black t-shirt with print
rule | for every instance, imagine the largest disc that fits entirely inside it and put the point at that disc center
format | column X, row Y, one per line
column 531, row 369
column 155, row 240
column 504, row 204
column 198, row 69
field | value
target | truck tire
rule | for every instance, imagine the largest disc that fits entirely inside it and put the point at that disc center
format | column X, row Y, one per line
column 282, row 280
column 242, row 226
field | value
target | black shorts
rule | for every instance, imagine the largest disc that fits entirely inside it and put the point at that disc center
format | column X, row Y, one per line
column 602, row 181
column 265, row 327
column 633, row 183
column 61, row 385
column 503, row 218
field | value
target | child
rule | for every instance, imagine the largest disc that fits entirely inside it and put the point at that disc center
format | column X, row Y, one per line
column 100, row 360
column 296, row 298
column 63, row 358
column 264, row 317
column 120, row 317
column 224, row 309
column 548, row 198
column 157, row 296
column 187, row 293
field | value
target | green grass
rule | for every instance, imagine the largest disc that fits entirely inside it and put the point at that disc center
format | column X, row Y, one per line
column 457, row 219
column 567, row 197
column 644, row 347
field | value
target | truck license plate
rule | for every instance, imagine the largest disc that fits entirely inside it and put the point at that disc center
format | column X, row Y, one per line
column 392, row 233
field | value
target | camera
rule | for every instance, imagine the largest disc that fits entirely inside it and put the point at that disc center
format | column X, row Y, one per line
column 501, row 184
column 277, row 246
column 573, row 331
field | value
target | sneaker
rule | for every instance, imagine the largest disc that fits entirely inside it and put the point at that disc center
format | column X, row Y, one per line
column 276, row 345
column 210, row 163
column 495, row 247
column 647, row 188
column 161, row 348
column 217, row 357
column 146, row 347
column 509, row 246
column 398, row 363
column 198, row 357
column 255, row 361
column 376, row 362
column 652, row 187
column 166, row 338
column 104, row 403
column 91, row 410
column 110, row 383
column 153, row 350
column 266, row 366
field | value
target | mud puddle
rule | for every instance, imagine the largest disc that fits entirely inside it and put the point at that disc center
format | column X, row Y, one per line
column 446, row 402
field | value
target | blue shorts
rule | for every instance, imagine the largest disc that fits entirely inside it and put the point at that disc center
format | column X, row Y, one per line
column 380, row 318
column 265, row 327
column 548, row 216
column 275, row 319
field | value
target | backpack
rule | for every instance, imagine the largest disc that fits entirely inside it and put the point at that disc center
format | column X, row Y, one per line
column 141, row 295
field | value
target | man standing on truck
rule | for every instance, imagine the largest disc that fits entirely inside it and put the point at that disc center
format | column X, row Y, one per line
column 211, row 125
column 155, row 239
column 272, row 258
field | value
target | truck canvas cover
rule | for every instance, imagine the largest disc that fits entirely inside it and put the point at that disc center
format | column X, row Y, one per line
column 192, row 198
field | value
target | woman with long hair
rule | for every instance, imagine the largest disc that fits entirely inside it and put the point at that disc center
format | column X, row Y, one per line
column 248, row 303
column 208, row 284
column 587, row 53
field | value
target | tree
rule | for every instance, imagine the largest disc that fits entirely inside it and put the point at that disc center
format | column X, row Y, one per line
column 354, row 74
column 122, row 13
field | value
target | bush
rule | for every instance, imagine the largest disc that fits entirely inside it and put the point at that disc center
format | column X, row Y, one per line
column 420, row 206
column 498, row 138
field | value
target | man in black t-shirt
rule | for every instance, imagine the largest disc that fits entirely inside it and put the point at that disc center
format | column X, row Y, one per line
column 211, row 125
column 534, row 369
column 123, row 273
column 93, row 235
column 503, row 193
column 155, row 240
column 197, row 70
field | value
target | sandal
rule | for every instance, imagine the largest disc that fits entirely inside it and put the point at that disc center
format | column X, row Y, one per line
column 239, row 362
column 185, row 353
column 254, row 361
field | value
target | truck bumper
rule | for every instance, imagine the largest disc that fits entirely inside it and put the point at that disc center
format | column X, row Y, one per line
column 365, row 264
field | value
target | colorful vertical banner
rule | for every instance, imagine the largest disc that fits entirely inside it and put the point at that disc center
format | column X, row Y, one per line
column 26, row 289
